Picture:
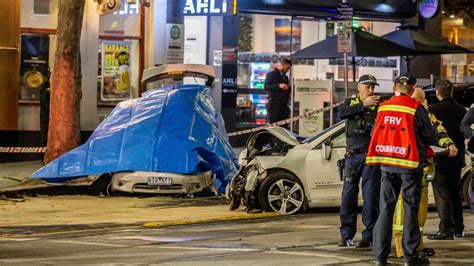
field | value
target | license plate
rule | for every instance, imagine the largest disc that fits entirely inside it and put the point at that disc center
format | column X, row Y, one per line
column 159, row 180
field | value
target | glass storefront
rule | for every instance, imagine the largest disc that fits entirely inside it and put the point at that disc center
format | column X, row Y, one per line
column 35, row 61
column 459, row 68
column 118, row 54
column 265, row 39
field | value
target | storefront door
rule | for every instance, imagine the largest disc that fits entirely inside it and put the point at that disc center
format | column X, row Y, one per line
column 9, row 63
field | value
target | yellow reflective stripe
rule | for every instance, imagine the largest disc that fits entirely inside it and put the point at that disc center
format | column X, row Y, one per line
column 392, row 161
column 397, row 108
column 426, row 171
column 398, row 211
column 400, row 228
column 397, row 227
column 354, row 101
column 444, row 141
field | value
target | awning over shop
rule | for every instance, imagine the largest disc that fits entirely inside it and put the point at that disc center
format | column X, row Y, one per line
column 377, row 9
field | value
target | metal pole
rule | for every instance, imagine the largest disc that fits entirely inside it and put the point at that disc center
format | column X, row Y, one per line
column 354, row 65
column 331, row 102
column 292, row 111
column 291, row 77
column 346, row 78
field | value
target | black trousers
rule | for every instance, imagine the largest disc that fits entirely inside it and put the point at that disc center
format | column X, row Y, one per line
column 446, row 189
column 278, row 110
column 390, row 188
column 354, row 169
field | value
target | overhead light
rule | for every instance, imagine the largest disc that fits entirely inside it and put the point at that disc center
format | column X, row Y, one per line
column 384, row 8
column 452, row 16
column 274, row 2
column 444, row 12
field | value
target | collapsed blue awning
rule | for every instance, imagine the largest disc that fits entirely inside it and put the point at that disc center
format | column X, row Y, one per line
column 173, row 130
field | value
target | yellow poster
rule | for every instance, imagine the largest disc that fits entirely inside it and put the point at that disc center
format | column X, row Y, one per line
column 115, row 70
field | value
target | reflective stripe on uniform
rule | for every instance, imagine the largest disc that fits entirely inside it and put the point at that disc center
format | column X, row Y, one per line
column 397, row 108
column 354, row 101
column 444, row 141
column 398, row 224
column 392, row 161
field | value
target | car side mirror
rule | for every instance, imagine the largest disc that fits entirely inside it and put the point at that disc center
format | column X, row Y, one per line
column 327, row 149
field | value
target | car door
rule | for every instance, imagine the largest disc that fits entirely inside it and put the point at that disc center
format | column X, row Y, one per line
column 323, row 173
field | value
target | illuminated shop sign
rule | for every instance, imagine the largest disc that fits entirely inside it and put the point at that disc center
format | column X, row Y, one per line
column 209, row 7
column 428, row 8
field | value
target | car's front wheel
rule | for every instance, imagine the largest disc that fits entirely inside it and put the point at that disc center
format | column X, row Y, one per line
column 282, row 192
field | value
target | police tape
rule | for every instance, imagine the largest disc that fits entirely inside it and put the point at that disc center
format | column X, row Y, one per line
column 22, row 149
column 237, row 133
column 284, row 122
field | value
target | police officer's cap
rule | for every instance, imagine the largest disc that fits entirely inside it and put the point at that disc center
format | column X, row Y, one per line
column 368, row 80
column 406, row 79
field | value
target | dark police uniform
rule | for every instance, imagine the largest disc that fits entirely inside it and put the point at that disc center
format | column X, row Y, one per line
column 447, row 181
column 278, row 99
column 360, row 121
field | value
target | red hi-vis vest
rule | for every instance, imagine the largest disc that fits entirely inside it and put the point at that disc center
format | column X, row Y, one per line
column 393, row 141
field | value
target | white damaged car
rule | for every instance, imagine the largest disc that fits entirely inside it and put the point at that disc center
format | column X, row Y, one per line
column 283, row 173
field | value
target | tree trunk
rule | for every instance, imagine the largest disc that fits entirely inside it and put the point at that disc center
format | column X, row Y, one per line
column 64, row 118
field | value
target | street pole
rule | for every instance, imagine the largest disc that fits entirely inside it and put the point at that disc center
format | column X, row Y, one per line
column 346, row 78
column 331, row 102
column 292, row 84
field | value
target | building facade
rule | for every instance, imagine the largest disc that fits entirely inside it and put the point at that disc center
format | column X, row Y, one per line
column 243, row 42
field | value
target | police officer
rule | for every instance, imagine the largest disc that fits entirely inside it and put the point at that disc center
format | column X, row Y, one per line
column 360, row 112
column 402, row 129
column 278, row 84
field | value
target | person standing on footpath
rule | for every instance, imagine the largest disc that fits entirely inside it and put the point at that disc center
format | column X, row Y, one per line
column 447, row 181
column 278, row 84
column 360, row 112
column 444, row 142
column 402, row 130
column 45, row 95
column 466, row 129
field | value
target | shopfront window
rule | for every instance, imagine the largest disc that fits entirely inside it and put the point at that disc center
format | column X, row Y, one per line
column 265, row 39
column 459, row 68
column 119, row 55
column 36, row 60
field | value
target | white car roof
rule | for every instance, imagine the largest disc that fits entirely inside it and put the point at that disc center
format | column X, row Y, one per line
column 154, row 71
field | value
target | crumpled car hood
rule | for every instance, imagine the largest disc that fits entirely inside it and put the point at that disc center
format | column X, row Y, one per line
column 174, row 130
column 280, row 133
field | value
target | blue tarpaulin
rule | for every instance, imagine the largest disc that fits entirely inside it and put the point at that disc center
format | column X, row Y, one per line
column 173, row 130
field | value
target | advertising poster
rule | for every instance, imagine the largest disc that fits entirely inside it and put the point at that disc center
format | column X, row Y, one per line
column 116, row 71
column 34, row 65
column 283, row 35
column 311, row 95
column 174, row 43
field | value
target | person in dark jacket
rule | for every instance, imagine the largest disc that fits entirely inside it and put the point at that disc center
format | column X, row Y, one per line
column 446, row 184
column 402, row 161
column 466, row 129
column 360, row 111
column 45, row 95
column 278, row 84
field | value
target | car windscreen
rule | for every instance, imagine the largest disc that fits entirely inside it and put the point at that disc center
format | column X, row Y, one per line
column 310, row 139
